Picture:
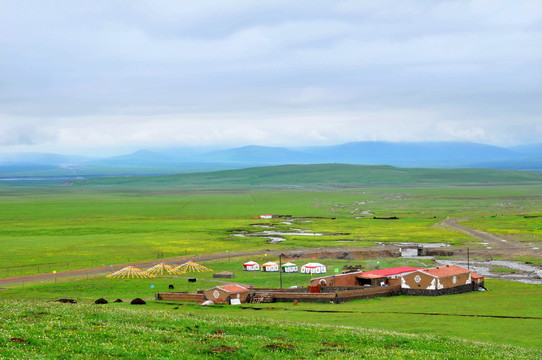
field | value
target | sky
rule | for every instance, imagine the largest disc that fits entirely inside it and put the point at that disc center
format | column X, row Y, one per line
column 93, row 77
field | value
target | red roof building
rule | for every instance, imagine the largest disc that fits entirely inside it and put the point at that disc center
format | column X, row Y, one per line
column 438, row 278
column 391, row 271
column 225, row 293
column 233, row 288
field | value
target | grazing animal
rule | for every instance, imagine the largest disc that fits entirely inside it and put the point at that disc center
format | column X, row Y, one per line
column 171, row 287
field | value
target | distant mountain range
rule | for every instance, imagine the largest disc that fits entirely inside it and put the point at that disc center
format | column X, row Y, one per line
column 164, row 161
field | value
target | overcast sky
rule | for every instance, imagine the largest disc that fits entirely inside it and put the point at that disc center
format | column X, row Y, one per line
column 98, row 76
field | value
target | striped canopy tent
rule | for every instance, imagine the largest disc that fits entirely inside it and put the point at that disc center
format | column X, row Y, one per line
column 270, row 267
column 289, row 268
column 131, row 272
column 313, row 268
column 251, row 266
column 160, row 269
column 190, row 266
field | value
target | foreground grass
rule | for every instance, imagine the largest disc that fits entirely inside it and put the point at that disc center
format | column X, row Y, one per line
column 509, row 313
column 66, row 331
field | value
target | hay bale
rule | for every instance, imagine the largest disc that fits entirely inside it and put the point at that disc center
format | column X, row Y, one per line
column 101, row 301
column 138, row 301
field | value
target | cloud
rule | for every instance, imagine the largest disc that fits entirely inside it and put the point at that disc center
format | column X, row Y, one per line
column 80, row 70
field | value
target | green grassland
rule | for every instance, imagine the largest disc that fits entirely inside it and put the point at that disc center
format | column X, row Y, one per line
column 65, row 331
column 521, row 227
column 488, row 320
column 48, row 227
column 496, row 316
column 57, row 228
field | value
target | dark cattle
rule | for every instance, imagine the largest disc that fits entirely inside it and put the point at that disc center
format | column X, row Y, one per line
column 101, row 301
column 171, row 287
column 191, row 279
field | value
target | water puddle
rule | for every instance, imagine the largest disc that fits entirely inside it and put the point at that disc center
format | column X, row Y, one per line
column 285, row 233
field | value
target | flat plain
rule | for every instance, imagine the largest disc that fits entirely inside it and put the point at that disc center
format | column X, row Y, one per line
column 109, row 223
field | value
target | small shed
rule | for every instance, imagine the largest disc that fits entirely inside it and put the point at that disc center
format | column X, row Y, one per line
column 225, row 293
column 270, row 267
column 477, row 279
column 289, row 268
column 313, row 268
column 223, row 275
column 251, row 266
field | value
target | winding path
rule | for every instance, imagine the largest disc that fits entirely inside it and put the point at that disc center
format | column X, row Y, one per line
column 495, row 241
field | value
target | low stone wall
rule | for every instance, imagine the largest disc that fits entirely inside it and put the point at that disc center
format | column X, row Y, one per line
column 333, row 289
column 340, row 296
column 450, row 291
column 285, row 290
column 368, row 293
column 175, row 296
column 307, row 297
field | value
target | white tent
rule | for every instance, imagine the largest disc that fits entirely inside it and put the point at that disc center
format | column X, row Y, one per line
column 270, row 267
column 251, row 266
column 313, row 268
column 289, row 268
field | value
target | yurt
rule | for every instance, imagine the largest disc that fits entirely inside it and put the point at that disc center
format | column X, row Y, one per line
column 313, row 268
column 270, row 267
column 130, row 272
column 289, row 268
column 251, row 266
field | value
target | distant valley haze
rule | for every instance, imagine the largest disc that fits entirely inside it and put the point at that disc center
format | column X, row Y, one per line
column 145, row 87
column 185, row 160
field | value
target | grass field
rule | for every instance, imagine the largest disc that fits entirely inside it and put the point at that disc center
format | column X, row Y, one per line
column 491, row 321
column 55, row 228
column 66, row 331
column 496, row 316
column 94, row 223
column 521, row 227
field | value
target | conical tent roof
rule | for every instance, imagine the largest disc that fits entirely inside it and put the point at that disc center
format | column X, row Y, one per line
column 288, row 264
column 160, row 269
column 131, row 272
column 191, row 266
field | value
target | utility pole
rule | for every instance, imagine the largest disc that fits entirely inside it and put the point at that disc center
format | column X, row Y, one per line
column 280, row 270
column 468, row 259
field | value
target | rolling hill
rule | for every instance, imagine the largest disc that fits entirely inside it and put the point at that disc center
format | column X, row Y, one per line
column 326, row 175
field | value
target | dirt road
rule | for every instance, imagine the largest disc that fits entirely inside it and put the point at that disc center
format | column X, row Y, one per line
column 493, row 240
column 333, row 252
